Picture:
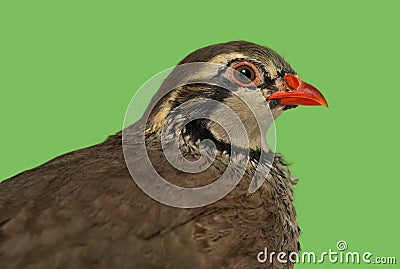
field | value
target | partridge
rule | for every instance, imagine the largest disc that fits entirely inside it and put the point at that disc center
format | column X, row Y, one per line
column 86, row 209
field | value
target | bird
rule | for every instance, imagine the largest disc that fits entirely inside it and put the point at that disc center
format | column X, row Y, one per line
column 86, row 209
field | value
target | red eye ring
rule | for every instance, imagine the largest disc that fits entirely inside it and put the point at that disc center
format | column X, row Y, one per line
column 246, row 73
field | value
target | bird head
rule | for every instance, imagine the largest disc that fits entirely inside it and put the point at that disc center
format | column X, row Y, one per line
column 255, row 73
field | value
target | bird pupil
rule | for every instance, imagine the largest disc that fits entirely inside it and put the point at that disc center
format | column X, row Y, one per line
column 246, row 72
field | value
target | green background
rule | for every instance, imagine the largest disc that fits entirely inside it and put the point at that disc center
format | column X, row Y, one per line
column 68, row 71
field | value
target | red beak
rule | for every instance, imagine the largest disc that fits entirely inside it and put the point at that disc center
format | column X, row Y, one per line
column 302, row 94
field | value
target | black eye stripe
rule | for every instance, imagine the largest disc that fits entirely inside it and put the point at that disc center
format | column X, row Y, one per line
column 268, row 81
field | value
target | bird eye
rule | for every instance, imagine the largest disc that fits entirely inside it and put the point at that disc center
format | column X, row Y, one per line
column 246, row 73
